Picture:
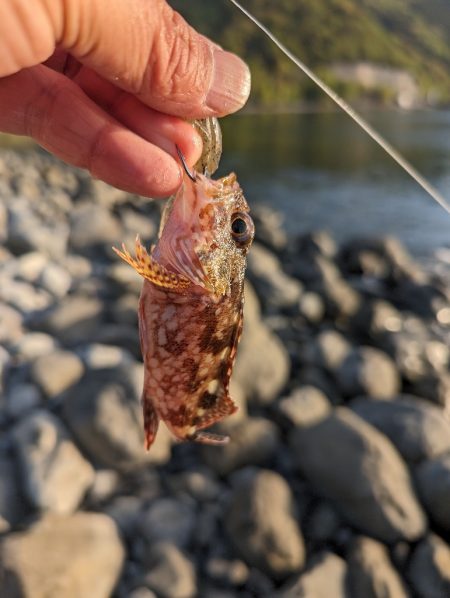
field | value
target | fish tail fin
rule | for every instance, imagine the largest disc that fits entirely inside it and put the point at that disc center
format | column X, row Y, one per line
column 151, row 422
column 149, row 269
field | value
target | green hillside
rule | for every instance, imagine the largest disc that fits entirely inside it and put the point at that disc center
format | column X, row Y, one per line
column 413, row 35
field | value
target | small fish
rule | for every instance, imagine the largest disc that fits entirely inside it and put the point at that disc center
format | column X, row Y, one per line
column 190, row 308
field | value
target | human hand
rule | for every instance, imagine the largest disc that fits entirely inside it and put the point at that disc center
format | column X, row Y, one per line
column 105, row 84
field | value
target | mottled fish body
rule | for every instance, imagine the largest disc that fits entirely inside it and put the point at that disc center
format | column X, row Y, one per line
column 190, row 309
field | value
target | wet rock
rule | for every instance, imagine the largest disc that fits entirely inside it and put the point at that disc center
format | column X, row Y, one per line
column 362, row 473
column 99, row 408
column 72, row 320
column 170, row 573
column 169, row 519
column 54, row 473
column 325, row 577
column 253, row 441
column 433, row 483
column 368, row 371
column 262, row 364
column 277, row 290
column 93, row 226
column 418, row 429
column 429, row 568
column 81, row 554
column 261, row 523
column 305, row 406
column 56, row 372
column 371, row 573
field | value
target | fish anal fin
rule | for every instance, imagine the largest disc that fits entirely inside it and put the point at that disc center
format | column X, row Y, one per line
column 151, row 422
column 213, row 407
column 149, row 269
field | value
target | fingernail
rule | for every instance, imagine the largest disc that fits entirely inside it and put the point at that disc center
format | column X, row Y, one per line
column 231, row 83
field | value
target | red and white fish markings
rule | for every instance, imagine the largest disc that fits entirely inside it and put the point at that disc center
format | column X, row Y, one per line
column 190, row 309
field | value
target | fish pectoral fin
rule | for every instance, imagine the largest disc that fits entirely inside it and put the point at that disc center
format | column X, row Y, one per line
column 147, row 267
column 151, row 421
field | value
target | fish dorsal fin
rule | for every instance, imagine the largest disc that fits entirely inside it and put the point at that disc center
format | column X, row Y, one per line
column 155, row 273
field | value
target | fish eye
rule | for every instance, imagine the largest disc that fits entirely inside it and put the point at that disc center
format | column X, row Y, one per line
column 242, row 229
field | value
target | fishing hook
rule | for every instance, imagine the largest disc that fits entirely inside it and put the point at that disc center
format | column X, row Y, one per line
column 191, row 175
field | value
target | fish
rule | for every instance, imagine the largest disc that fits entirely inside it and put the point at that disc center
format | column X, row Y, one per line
column 191, row 307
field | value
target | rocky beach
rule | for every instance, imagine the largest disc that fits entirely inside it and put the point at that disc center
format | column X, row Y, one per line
column 336, row 481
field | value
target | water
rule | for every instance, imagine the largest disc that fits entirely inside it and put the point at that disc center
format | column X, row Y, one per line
column 322, row 172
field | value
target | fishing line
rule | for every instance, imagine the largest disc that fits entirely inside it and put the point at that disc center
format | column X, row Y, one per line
column 382, row 142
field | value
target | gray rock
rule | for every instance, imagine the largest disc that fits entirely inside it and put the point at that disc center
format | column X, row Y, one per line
column 170, row 573
column 418, row 429
column 261, row 523
column 56, row 372
column 341, row 300
column 350, row 462
column 274, row 287
column 93, row 225
column 227, row 572
column 371, row 573
column 378, row 318
column 318, row 242
column 125, row 310
column 100, row 408
column 21, row 398
column 80, row 555
column 34, row 344
column 433, row 483
column 306, row 405
column 325, row 577
column 125, row 278
column 169, row 520
column 5, row 364
column 327, row 350
column 142, row 593
column 262, row 364
column 368, row 371
column 63, row 178
column 315, row 269
column 28, row 232
column 322, row 523
column 27, row 267
column 54, row 474
column 429, row 568
column 24, row 296
column 72, row 320
column 253, row 441
column 55, row 279
column 199, row 483
column 126, row 512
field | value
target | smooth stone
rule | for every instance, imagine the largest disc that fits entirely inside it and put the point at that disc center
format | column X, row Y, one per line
column 253, row 441
column 125, row 278
column 56, row 372
column 24, row 296
column 55, row 279
column 433, row 484
column 126, row 512
column 314, row 269
column 261, row 523
column 142, row 593
column 306, row 405
column 378, row 318
column 429, row 568
column 227, row 572
column 341, row 300
column 125, row 310
column 368, row 371
column 104, row 413
column 170, row 573
column 325, row 577
column 317, row 242
column 27, row 267
column 72, row 320
column 276, row 289
column 322, row 523
column 98, row 356
column 269, row 227
column 105, row 484
column 74, row 556
column 93, row 225
column 311, row 307
column 418, row 429
column 169, row 519
column 371, row 573
column 10, row 324
column 262, row 365
column 21, row 398
column 54, row 473
column 327, row 350
column 200, row 483
column 349, row 462
column 63, row 178
column 35, row 344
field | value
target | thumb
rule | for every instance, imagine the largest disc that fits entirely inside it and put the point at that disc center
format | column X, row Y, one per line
column 145, row 47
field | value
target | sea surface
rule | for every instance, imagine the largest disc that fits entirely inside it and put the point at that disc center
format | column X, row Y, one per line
column 322, row 172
